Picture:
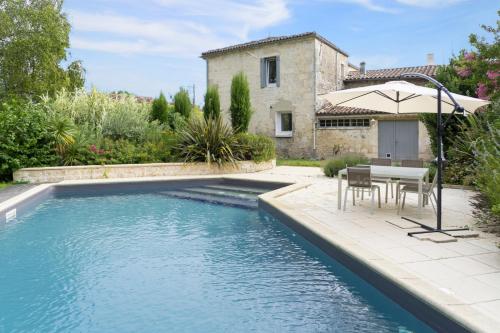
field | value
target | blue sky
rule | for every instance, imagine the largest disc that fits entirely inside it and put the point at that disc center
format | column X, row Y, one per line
column 152, row 45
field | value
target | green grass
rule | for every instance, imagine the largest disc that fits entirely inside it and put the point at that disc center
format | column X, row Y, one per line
column 299, row 162
column 4, row 185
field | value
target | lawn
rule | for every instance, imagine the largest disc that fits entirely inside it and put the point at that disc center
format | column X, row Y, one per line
column 299, row 162
column 4, row 185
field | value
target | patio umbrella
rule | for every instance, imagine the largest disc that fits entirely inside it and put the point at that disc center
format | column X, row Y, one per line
column 402, row 97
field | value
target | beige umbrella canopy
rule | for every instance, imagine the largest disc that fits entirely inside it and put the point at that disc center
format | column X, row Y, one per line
column 400, row 97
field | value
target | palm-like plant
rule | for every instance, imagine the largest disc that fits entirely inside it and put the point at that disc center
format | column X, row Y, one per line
column 63, row 132
column 208, row 140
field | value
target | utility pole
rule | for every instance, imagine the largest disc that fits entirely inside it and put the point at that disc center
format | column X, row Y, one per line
column 194, row 94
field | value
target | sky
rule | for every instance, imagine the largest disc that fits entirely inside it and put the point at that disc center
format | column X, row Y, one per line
column 149, row 46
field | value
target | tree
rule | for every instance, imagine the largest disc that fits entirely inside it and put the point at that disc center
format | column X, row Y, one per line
column 211, row 109
column 34, row 37
column 182, row 103
column 240, row 109
column 159, row 109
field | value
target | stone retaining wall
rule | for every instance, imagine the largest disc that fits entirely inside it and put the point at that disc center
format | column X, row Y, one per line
column 57, row 174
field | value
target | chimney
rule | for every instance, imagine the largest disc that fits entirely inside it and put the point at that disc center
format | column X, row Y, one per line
column 362, row 68
column 430, row 59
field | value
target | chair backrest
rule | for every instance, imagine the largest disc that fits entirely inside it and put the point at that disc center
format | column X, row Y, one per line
column 381, row 161
column 433, row 184
column 412, row 163
column 359, row 177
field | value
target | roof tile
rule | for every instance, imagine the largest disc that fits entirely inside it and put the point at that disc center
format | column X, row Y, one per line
column 391, row 73
column 329, row 110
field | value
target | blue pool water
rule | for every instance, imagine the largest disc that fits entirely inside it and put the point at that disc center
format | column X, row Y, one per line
column 151, row 263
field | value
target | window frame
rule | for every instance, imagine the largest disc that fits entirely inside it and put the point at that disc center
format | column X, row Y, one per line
column 279, row 125
column 267, row 62
column 343, row 123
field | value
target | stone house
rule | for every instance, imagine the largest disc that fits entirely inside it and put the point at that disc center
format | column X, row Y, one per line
column 287, row 76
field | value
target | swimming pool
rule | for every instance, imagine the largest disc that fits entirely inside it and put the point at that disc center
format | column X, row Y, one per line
column 151, row 260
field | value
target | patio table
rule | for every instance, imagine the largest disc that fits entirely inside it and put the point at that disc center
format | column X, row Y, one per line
column 377, row 171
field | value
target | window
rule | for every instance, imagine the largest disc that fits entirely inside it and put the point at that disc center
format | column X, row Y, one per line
column 284, row 124
column 342, row 123
column 270, row 72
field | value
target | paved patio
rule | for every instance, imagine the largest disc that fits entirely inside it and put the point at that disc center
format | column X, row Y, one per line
column 467, row 270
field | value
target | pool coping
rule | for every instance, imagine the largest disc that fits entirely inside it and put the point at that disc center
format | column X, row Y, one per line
column 440, row 310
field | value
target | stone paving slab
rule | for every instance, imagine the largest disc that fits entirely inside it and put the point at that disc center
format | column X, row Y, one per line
column 403, row 224
column 464, row 233
column 13, row 190
column 435, row 237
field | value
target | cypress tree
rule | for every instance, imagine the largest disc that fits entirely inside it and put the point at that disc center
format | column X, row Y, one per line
column 211, row 109
column 159, row 109
column 182, row 103
column 240, row 109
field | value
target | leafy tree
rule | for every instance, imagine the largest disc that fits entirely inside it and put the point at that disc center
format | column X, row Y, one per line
column 182, row 103
column 34, row 36
column 240, row 109
column 26, row 139
column 211, row 109
column 159, row 109
column 75, row 76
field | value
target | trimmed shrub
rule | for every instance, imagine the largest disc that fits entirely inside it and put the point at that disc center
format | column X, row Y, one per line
column 240, row 109
column 255, row 147
column 211, row 109
column 182, row 103
column 333, row 166
column 26, row 139
column 159, row 110
column 208, row 140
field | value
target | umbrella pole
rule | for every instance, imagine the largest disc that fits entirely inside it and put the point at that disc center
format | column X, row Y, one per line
column 439, row 160
column 440, row 128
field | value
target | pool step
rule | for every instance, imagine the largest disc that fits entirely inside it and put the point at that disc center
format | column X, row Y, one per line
column 223, row 200
column 250, row 190
column 222, row 193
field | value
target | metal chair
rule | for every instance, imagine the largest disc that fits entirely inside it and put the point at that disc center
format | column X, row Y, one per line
column 360, row 179
column 402, row 182
column 387, row 181
column 427, row 191
column 381, row 161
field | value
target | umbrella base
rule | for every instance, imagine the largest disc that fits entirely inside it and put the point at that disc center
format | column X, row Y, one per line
column 429, row 230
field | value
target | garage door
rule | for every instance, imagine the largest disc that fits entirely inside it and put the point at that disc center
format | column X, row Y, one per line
column 398, row 140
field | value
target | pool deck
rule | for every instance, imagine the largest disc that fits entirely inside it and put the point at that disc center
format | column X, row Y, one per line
column 461, row 278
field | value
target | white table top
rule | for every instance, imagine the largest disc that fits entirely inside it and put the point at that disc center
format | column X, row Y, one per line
column 394, row 172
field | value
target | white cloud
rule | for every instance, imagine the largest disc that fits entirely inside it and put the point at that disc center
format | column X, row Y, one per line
column 192, row 27
column 235, row 17
column 429, row 3
column 125, row 34
column 371, row 5
column 380, row 6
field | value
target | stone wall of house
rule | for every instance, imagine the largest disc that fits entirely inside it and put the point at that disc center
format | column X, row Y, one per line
column 331, row 68
column 364, row 140
column 295, row 93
